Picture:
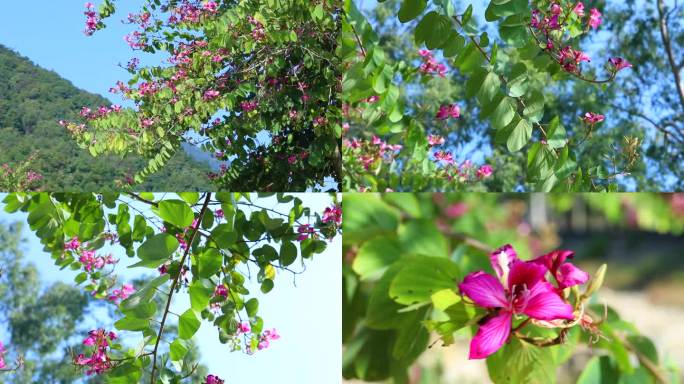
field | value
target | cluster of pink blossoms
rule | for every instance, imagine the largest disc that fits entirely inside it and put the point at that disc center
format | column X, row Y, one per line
column 373, row 151
column 258, row 33
column 121, row 293
column 332, row 215
column 91, row 263
column 2, row 355
column 211, row 94
column 266, row 337
column 92, row 19
column 448, row 111
column 101, row 112
column 569, row 58
column 519, row 288
column 249, row 106
column 466, row 171
column 213, row 379
column 98, row 362
column 430, row 66
column 305, row 231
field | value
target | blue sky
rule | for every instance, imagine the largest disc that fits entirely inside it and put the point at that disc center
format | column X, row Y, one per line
column 50, row 33
column 308, row 316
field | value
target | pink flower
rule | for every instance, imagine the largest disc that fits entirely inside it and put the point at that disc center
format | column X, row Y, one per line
column 424, row 53
column 456, row 210
column 2, row 357
column 249, row 106
column 556, row 9
column 519, row 288
column 219, row 213
column 305, row 231
column 213, row 379
column 271, row 334
column 211, row 94
column 72, row 244
column 210, row 6
column 618, row 63
column 244, row 327
column 292, row 159
column 484, row 171
column 565, row 274
column 145, row 123
column 99, row 361
column 579, row 9
column 593, row 118
column 121, row 294
column 445, row 157
column 221, row 290
column 594, row 18
column 332, row 215
column 435, row 140
column 447, row 111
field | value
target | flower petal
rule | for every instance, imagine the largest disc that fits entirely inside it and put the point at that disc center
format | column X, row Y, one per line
column 502, row 258
column 554, row 259
column 491, row 336
column 484, row 289
column 545, row 304
column 569, row 275
column 525, row 273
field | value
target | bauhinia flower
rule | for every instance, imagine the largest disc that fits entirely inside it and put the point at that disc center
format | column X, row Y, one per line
column 447, row 111
column 434, row 140
column 519, row 288
column 592, row 118
column 594, row 18
column 618, row 63
column 2, row 355
column 332, row 215
column 213, row 379
column 99, row 361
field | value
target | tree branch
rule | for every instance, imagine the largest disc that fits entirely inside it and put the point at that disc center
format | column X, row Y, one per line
column 173, row 287
column 667, row 44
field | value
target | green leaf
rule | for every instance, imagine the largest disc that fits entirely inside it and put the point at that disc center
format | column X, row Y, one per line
column 599, row 370
column 131, row 324
column 366, row 216
column 177, row 350
column 375, row 255
column 190, row 197
column 158, row 248
column 421, row 277
column 288, row 253
column 210, row 262
column 252, row 306
column 176, row 212
column 382, row 311
column 200, row 295
column 520, row 362
column 520, row 135
column 410, row 9
column 188, row 324
column 266, row 286
column 224, row 235
column 421, row 237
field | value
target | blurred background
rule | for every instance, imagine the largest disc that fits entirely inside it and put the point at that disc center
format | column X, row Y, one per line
column 639, row 236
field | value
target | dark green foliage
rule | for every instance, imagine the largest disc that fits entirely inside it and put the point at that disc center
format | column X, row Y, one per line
column 33, row 100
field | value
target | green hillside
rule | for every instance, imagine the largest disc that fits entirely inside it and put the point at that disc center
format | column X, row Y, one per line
column 33, row 100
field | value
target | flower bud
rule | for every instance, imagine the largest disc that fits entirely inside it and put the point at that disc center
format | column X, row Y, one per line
column 596, row 281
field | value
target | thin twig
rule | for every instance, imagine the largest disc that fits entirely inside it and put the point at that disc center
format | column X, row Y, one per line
column 173, row 287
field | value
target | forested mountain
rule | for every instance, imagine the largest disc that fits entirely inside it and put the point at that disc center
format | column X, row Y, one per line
column 33, row 100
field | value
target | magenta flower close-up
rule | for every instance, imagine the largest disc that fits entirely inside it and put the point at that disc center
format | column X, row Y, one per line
column 520, row 288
